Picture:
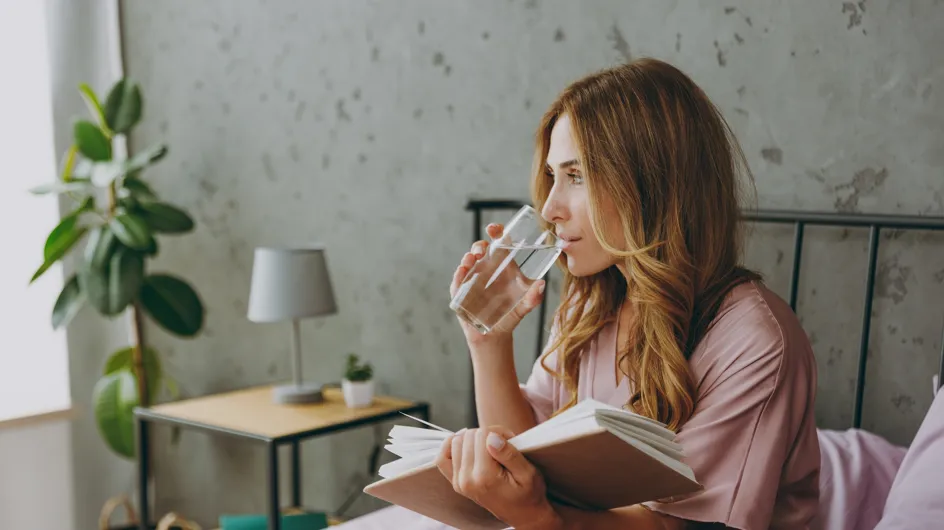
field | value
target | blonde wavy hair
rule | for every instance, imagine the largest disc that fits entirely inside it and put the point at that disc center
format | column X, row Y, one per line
column 652, row 144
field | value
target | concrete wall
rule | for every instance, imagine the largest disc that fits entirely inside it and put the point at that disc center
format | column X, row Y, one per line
column 367, row 125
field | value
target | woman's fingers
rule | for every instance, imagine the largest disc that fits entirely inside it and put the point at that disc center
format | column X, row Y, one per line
column 485, row 468
column 535, row 294
column 468, row 459
column 444, row 459
column 467, row 262
column 457, row 279
column 494, row 230
column 531, row 299
column 479, row 248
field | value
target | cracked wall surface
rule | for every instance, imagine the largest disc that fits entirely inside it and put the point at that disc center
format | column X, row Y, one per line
column 367, row 125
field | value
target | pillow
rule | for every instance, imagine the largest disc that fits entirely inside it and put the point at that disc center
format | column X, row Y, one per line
column 857, row 469
column 916, row 499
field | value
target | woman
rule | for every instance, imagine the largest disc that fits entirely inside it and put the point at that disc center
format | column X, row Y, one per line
column 639, row 173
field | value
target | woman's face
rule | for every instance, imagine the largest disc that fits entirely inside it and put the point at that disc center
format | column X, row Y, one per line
column 568, row 205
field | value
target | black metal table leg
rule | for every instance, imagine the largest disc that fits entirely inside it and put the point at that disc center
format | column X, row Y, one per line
column 144, row 460
column 296, row 475
column 273, row 457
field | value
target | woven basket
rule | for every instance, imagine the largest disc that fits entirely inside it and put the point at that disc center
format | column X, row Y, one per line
column 109, row 508
column 171, row 521
column 177, row 521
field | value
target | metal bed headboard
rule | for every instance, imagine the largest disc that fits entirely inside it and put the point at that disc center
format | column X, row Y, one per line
column 800, row 220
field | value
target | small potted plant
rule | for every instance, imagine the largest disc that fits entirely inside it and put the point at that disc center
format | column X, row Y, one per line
column 358, row 383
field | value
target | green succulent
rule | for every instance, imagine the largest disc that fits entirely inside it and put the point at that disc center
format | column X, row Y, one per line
column 356, row 371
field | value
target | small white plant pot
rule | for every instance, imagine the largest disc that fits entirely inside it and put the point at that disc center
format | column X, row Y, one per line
column 358, row 393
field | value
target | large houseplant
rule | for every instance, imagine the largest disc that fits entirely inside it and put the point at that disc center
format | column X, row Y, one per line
column 118, row 217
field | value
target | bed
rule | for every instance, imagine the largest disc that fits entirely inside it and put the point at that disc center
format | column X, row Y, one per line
column 859, row 468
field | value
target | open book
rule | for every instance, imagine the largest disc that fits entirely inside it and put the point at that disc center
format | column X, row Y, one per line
column 593, row 456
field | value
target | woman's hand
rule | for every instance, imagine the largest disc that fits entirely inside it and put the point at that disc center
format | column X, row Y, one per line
column 485, row 468
column 509, row 322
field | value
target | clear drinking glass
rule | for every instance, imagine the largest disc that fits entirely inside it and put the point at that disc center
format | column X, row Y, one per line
column 499, row 280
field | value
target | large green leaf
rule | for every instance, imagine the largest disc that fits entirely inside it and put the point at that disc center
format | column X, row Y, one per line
column 68, row 303
column 82, row 169
column 138, row 188
column 173, row 304
column 94, row 283
column 123, row 106
column 163, row 217
column 111, row 274
column 100, row 245
column 123, row 359
column 103, row 174
column 91, row 141
column 131, row 230
column 94, row 106
column 125, row 275
column 153, row 249
column 114, row 398
column 62, row 238
column 145, row 157
column 76, row 185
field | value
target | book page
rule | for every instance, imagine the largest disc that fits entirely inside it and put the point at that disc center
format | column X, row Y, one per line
column 403, row 465
column 676, row 465
column 404, row 432
column 671, row 449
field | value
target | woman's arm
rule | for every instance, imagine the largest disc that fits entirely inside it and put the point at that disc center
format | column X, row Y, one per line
column 498, row 396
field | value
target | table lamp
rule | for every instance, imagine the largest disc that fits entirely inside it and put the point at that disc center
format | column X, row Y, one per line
column 291, row 284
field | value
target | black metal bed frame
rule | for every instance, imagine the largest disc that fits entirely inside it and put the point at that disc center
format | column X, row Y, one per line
column 800, row 220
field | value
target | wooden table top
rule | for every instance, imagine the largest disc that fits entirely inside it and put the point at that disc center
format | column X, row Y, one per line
column 252, row 411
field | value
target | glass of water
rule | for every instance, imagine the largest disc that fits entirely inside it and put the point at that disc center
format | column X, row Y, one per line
column 499, row 280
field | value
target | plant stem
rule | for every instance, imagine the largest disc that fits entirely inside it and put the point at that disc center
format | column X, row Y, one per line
column 111, row 197
column 137, row 358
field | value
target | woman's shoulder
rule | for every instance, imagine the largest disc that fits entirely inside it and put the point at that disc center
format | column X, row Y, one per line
column 754, row 323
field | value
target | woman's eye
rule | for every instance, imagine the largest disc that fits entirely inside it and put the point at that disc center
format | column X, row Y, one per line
column 575, row 179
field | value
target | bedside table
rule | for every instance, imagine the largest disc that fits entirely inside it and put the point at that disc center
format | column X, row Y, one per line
column 252, row 415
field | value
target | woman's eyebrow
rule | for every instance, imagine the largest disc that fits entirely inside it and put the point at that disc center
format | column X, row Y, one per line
column 568, row 163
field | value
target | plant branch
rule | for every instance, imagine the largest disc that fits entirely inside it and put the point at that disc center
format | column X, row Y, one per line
column 111, row 198
column 137, row 357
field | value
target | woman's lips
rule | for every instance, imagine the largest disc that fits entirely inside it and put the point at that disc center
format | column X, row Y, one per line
column 569, row 243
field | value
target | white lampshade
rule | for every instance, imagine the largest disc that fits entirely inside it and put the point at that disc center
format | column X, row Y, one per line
column 290, row 283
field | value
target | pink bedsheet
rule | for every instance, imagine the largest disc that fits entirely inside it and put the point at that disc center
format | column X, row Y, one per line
column 856, row 474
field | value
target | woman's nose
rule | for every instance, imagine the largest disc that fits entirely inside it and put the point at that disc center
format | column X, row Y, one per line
column 553, row 210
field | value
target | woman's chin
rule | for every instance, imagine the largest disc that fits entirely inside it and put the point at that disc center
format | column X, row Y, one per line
column 580, row 268
column 575, row 268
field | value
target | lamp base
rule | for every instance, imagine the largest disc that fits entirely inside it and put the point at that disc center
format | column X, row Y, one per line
column 292, row 394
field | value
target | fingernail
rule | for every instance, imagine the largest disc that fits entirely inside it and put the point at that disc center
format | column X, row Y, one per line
column 495, row 441
column 541, row 288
